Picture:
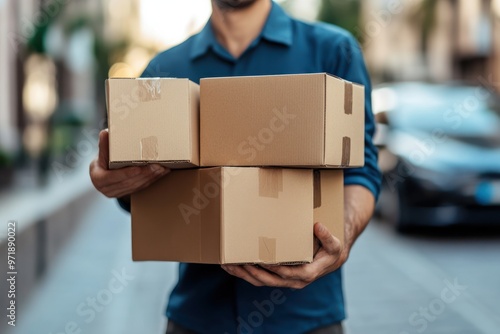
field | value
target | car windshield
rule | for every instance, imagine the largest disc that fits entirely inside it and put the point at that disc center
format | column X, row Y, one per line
column 462, row 111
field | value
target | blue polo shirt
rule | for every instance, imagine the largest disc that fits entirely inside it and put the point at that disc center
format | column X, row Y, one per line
column 206, row 299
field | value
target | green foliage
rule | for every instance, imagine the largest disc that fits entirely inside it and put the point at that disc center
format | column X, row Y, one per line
column 425, row 18
column 5, row 159
column 35, row 42
column 343, row 13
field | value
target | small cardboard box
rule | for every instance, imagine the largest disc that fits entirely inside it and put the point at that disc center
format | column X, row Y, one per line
column 304, row 120
column 236, row 215
column 153, row 120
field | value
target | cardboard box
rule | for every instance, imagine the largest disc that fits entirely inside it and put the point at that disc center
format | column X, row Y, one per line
column 236, row 215
column 153, row 120
column 305, row 120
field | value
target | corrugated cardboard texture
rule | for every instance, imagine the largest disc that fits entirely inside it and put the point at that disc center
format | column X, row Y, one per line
column 218, row 215
column 347, row 98
column 283, row 120
column 268, row 120
column 210, row 194
column 153, row 121
column 194, row 138
column 149, row 148
column 166, row 223
column 331, row 211
column 345, row 123
column 267, row 250
column 261, row 229
column 270, row 182
column 317, row 189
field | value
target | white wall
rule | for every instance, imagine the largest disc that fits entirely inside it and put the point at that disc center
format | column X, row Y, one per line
column 7, row 111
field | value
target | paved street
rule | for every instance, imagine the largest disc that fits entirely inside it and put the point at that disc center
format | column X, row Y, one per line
column 393, row 284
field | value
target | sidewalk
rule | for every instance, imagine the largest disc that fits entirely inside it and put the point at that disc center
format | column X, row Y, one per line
column 129, row 297
column 389, row 280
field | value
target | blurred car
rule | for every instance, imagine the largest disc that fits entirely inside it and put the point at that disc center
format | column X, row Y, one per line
column 439, row 154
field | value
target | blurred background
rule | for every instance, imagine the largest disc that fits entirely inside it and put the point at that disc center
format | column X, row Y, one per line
column 435, row 66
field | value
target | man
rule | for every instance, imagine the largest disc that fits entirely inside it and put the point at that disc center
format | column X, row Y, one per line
column 256, row 37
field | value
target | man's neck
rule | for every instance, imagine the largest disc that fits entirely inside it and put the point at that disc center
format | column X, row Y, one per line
column 235, row 29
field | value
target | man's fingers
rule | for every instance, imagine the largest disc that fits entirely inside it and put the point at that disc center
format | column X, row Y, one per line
column 329, row 243
column 132, row 184
column 240, row 272
column 102, row 177
column 103, row 159
column 296, row 272
column 126, row 176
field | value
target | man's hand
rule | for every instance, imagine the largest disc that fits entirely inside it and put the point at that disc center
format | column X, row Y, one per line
column 330, row 256
column 359, row 206
column 124, row 181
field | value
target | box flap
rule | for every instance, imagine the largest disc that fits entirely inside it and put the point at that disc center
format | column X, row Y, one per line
column 194, row 138
column 211, row 192
column 329, row 201
column 167, row 222
column 344, row 130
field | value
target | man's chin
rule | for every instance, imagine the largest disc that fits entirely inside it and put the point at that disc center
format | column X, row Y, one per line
column 234, row 4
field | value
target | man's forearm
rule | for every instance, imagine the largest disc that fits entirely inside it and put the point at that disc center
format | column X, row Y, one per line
column 359, row 204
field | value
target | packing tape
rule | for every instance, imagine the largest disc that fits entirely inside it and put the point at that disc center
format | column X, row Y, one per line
column 317, row 189
column 346, row 152
column 149, row 89
column 149, row 148
column 348, row 93
column 267, row 250
column 270, row 182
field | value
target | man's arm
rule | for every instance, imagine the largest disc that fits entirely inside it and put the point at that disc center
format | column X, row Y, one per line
column 362, row 185
column 359, row 204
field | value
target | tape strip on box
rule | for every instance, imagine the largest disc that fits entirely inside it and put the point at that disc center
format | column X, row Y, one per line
column 348, row 94
column 346, row 152
column 149, row 89
column 270, row 182
column 317, row 189
column 149, row 148
column 267, row 250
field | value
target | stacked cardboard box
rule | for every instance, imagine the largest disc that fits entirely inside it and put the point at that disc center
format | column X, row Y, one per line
column 271, row 153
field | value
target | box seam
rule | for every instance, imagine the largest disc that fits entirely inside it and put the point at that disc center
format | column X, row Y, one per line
column 324, row 117
column 222, row 254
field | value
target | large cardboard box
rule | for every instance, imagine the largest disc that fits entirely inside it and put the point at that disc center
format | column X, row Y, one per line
column 236, row 215
column 153, row 120
column 305, row 120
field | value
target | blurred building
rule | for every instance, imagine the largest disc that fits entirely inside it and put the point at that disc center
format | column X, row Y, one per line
column 47, row 79
column 49, row 111
column 54, row 58
column 432, row 40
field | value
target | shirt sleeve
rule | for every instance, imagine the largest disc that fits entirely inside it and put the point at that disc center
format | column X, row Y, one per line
column 125, row 206
column 350, row 65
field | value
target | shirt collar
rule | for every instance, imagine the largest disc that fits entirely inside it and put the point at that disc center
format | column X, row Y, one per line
column 278, row 28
